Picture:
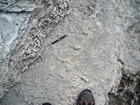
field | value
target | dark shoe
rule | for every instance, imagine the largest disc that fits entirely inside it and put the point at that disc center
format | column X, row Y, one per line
column 46, row 104
column 85, row 98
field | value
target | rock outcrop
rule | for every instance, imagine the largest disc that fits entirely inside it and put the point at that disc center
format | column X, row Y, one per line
column 50, row 50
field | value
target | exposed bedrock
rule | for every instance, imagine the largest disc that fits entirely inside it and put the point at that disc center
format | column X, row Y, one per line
column 50, row 50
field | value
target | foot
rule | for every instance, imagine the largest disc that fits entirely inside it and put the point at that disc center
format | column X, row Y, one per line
column 46, row 104
column 85, row 98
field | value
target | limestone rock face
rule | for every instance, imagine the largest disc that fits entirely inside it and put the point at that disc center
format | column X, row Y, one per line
column 19, row 5
column 127, row 91
column 50, row 50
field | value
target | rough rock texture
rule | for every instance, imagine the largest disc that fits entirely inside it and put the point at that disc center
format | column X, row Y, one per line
column 28, row 49
column 128, row 91
column 11, row 25
column 100, row 51
column 19, row 5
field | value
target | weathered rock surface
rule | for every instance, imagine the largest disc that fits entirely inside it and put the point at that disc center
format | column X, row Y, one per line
column 100, row 51
column 19, row 5
column 128, row 91
column 11, row 25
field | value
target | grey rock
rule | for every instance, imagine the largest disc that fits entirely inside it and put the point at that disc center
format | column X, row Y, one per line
column 13, row 97
column 11, row 25
column 19, row 5
column 128, row 92
column 33, row 42
column 100, row 51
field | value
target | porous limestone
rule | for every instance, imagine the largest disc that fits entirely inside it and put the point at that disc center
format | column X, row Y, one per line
column 66, row 46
